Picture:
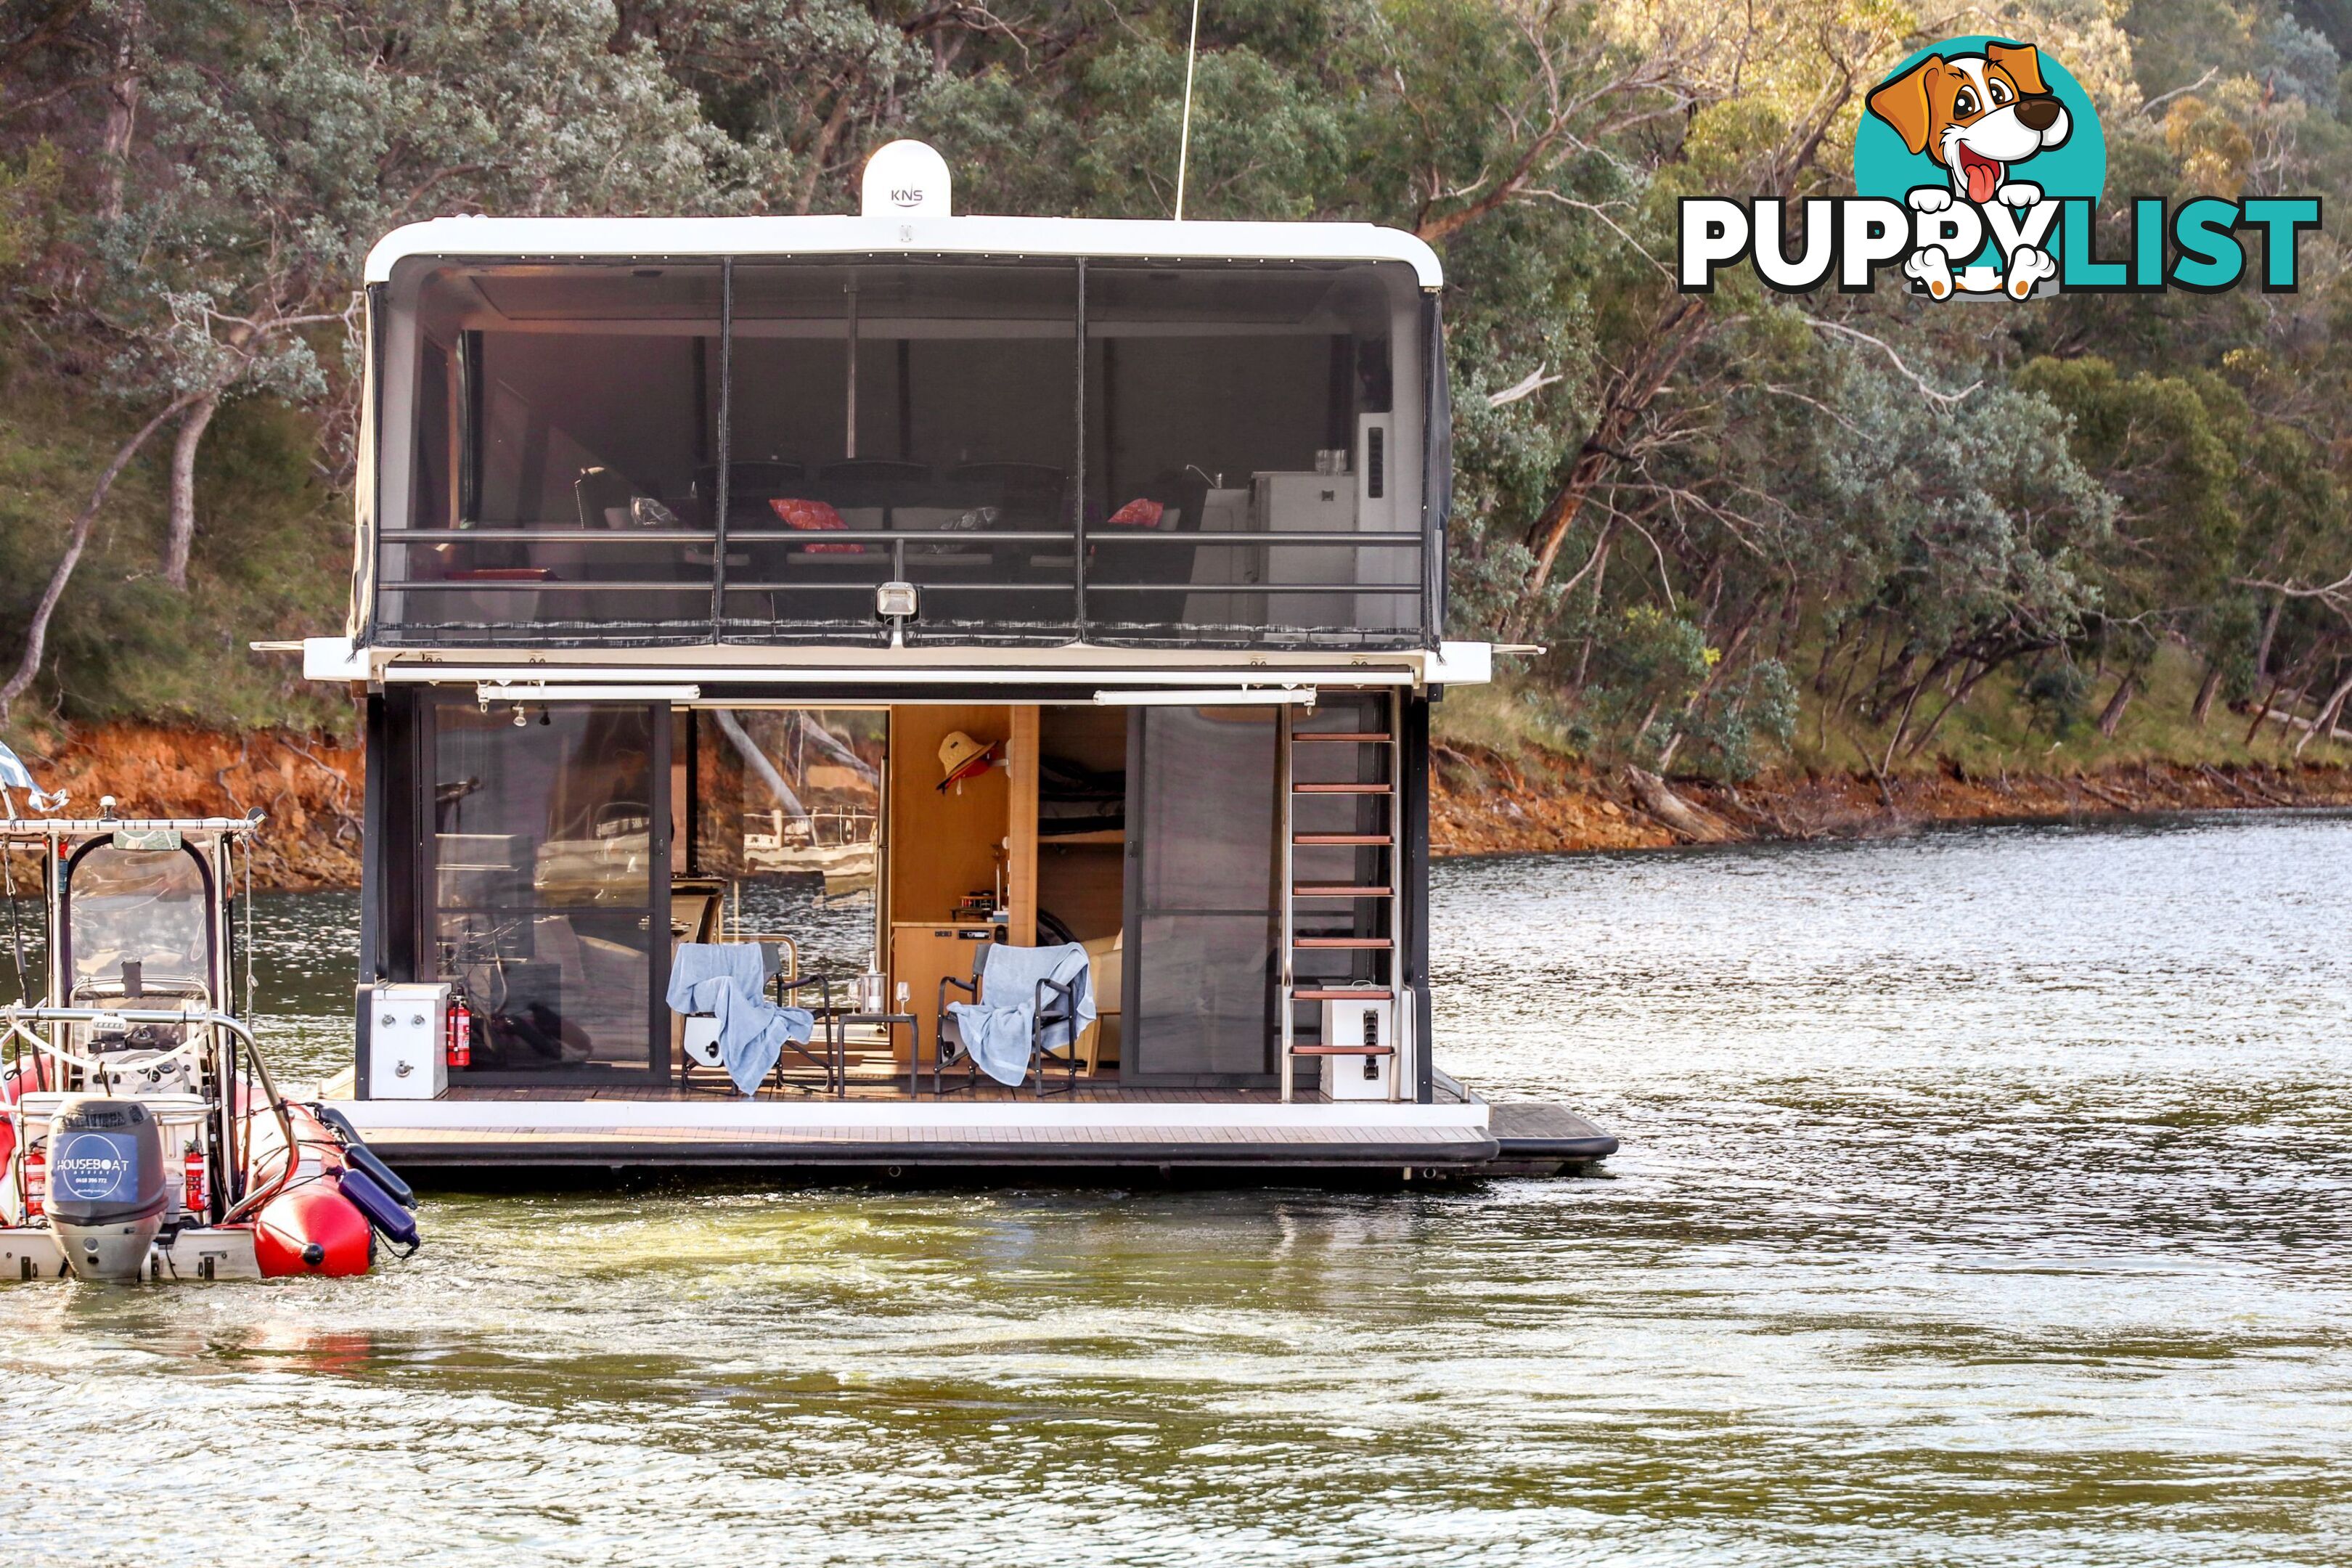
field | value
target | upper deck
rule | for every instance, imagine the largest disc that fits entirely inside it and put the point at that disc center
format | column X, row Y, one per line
column 639, row 433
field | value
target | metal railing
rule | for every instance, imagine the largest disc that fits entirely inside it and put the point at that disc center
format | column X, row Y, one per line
column 977, row 586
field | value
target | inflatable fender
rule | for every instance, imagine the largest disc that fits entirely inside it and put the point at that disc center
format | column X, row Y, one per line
column 312, row 1228
column 383, row 1212
column 360, row 1157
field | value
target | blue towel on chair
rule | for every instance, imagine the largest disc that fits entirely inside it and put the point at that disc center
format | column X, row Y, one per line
column 996, row 1030
column 723, row 979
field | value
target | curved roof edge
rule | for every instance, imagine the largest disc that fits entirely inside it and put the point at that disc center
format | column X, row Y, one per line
column 563, row 237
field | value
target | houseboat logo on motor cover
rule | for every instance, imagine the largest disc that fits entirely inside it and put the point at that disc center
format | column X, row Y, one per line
column 1977, row 170
column 91, row 1166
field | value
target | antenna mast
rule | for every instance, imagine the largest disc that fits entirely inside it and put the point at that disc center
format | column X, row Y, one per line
column 1184, row 138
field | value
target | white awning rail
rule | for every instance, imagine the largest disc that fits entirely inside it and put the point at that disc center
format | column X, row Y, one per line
column 1212, row 697
column 492, row 692
column 541, row 675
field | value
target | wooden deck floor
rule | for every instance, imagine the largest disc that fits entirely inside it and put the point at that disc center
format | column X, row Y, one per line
column 873, row 1082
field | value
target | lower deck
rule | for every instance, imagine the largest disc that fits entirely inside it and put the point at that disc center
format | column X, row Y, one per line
column 877, row 1124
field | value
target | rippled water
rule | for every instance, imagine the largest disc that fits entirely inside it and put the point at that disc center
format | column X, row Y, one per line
column 1983, row 1201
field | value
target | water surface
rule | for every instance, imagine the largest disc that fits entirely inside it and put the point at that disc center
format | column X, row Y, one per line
column 1983, row 1201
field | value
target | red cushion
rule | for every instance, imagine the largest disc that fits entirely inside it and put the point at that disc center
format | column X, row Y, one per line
column 1137, row 514
column 813, row 517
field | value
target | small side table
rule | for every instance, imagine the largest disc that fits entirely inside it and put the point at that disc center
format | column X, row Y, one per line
column 839, row 1023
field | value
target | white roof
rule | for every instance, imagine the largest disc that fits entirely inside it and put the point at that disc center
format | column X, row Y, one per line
column 552, row 238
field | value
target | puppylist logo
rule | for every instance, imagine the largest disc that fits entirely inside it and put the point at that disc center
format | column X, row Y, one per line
column 1978, row 170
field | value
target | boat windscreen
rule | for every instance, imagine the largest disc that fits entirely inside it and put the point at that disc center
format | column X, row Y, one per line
column 147, row 907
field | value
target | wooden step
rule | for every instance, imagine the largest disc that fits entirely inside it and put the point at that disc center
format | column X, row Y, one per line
column 1361, row 943
column 1341, row 789
column 1325, row 838
column 1351, row 737
column 1338, row 993
column 1343, row 1050
column 1323, row 891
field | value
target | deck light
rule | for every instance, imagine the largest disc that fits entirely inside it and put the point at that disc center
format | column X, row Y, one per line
column 897, row 603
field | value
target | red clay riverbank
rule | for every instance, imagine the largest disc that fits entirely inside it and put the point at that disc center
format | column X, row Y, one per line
column 310, row 787
column 1480, row 802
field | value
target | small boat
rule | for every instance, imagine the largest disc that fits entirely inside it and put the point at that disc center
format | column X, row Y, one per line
column 840, row 846
column 143, row 1138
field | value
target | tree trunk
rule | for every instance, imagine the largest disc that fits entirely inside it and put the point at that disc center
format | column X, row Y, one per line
column 2111, row 717
column 2207, row 690
column 121, row 111
column 1968, row 683
column 2270, row 631
column 183, row 535
column 2327, row 714
column 1629, row 397
column 2263, row 710
column 36, row 635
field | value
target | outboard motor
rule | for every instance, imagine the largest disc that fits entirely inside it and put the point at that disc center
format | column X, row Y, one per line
column 106, row 1193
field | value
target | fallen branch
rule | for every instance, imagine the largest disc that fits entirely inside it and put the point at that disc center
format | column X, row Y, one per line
column 2297, row 722
column 2227, row 782
column 1675, row 813
column 2116, row 798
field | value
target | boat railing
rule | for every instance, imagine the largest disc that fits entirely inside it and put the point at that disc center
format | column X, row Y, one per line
column 74, row 827
column 16, row 1026
column 1365, row 587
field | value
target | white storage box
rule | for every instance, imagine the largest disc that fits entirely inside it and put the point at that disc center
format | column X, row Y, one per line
column 403, row 1034
column 1361, row 1022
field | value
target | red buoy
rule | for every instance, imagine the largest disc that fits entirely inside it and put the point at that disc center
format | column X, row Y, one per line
column 312, row 1229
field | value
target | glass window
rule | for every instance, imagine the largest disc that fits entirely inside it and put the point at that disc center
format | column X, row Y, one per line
column 562, row 442
column 789, row 795
column 140, row 913
column 1226, row 401
column 927, row 413
column 551, row 451
column 541, row 880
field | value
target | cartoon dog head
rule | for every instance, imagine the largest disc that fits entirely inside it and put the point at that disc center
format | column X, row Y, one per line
column 1975, row 114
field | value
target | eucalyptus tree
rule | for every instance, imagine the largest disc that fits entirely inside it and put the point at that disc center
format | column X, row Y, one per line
column 272, row 147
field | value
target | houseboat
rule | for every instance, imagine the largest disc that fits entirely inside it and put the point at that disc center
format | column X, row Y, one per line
column 1078, row 582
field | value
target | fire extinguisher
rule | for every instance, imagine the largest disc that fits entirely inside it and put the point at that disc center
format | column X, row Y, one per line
column 192, row 1191
column 37, row 1183
column 459, row 1038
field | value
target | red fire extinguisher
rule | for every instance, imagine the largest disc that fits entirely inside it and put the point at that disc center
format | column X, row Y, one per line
column 37, row 1182
column 192, row 1191
column 458, row 1042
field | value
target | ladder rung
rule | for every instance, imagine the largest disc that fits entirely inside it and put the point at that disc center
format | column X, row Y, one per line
column 1314, row 839
column 1341, row 789
column 1329, row 994
column 1358, row 737
column 1361, row 942
column 1322, row 891
column 1342, row 1051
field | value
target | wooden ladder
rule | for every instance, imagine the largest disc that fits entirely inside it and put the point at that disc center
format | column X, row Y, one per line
column 1385, row 886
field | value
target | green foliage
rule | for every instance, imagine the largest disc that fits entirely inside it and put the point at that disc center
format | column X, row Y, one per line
column 1927, row 526
column 2058, row 696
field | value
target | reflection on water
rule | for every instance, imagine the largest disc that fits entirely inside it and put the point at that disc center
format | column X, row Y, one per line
column 1983, row 1201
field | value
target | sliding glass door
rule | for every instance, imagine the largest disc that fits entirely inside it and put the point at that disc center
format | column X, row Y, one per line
column 545, row 864
column 1203, row 917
